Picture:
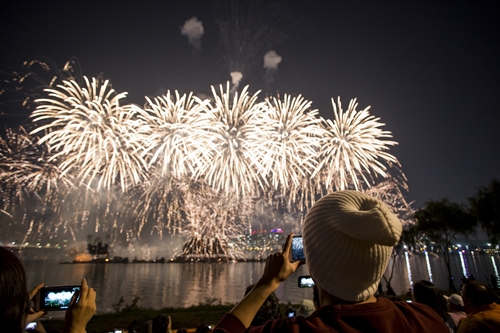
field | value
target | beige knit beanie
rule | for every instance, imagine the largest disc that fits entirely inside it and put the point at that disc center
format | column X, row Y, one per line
column 348, row 239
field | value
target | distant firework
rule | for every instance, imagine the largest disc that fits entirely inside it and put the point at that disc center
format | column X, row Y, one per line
column 202, row 169
column 354, row 148
column 90, row 131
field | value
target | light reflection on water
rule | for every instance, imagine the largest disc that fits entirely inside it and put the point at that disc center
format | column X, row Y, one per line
column 182, row 285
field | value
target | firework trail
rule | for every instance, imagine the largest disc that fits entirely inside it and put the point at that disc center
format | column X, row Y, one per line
column 354, row 147
column 90, row 131
column 21, row 87
column 31, row 185
column 247, row 30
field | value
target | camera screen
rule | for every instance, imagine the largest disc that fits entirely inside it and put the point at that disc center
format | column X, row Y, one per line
column 291, row 314
column 56, row 298
column 297, row 248
column 306, row 282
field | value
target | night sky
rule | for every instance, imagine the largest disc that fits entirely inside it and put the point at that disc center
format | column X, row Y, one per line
column 429, row 69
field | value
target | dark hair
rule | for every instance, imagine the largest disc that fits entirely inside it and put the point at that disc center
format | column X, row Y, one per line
column 160, row 324
column 203, row 328
column 478, row 293
column 270, row 310
column 426, row 293
column 14, row 299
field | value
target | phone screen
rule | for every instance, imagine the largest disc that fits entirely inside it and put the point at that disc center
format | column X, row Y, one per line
column 31, row 326
column 56, row 298
column 297, row 249
column 306, row 281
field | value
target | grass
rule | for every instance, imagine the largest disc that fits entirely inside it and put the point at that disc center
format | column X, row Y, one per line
column 181, row 318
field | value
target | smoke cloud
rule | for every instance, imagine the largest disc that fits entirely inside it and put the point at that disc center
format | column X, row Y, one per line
column 236, row 78
column 271, row 61
column 193, row 29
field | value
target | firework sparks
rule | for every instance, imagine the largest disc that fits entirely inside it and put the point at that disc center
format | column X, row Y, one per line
column 90, row 131
column 193, row 167
column 233, row 168
column 176, row 133
column 354, row 147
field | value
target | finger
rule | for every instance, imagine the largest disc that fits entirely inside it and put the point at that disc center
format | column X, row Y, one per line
column 91, row 295
column 33, row 291
column 84, row 290
column 288, row 244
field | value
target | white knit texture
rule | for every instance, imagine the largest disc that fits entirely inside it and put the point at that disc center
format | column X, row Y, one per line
column 348, row 239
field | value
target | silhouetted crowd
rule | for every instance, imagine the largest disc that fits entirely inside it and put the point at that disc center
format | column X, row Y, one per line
column 348, row 238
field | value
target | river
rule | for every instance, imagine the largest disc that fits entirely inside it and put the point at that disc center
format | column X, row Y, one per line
column 185, row 284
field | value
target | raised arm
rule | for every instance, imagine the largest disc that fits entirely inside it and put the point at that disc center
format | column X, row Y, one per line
column 278, row 269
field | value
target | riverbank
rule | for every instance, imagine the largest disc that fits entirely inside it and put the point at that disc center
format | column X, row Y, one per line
column 190, row 317
column 181, row 318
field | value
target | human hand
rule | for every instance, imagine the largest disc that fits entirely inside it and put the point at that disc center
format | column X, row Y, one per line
column 169, row 325
column 278, row 265
column 79, row 312
column 32, row 315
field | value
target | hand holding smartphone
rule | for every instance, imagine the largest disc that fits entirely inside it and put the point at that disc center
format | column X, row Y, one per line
column 54, row 298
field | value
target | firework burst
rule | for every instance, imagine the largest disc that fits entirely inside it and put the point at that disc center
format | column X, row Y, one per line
column 91, row 134
column 235, row 140
column 353, row 148
column 175, row 132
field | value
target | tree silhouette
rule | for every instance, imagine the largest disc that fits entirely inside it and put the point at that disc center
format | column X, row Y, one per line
column 485, row 207
column 440, row 222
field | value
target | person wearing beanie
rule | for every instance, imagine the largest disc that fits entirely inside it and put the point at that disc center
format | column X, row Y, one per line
column 348, row 239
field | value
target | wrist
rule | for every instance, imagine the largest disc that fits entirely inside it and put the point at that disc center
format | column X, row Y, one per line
column 270, row 284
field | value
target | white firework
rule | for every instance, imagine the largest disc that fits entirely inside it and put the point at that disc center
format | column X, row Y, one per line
column 293, row 141
column 175, row 132
column 235, row 139
column 354, row 148
column 92, row 134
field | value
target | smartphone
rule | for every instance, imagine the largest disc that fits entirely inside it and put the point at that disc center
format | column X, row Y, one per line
column 306, row 281
column 54, row 298
column 297, row 249
column 290, row 313
column 31, row 326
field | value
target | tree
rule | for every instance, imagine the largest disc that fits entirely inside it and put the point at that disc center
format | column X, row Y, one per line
column 485, row 207
column 408, row 237
column 440, row 222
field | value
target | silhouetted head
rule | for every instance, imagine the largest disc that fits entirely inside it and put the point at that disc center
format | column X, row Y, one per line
column 270, row 310
column 204, row 328
column 14, row 299
column 160, row 323
column 425, row 292
column 477, row 294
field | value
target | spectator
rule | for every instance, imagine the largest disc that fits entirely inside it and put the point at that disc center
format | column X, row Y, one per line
column 270, row 310
column 479, row 302
column 161, row 324
column 15, row 305
column 479, row 326
column 456, row 308
column 348, row 239
column 204, row 328
column 425, row 292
